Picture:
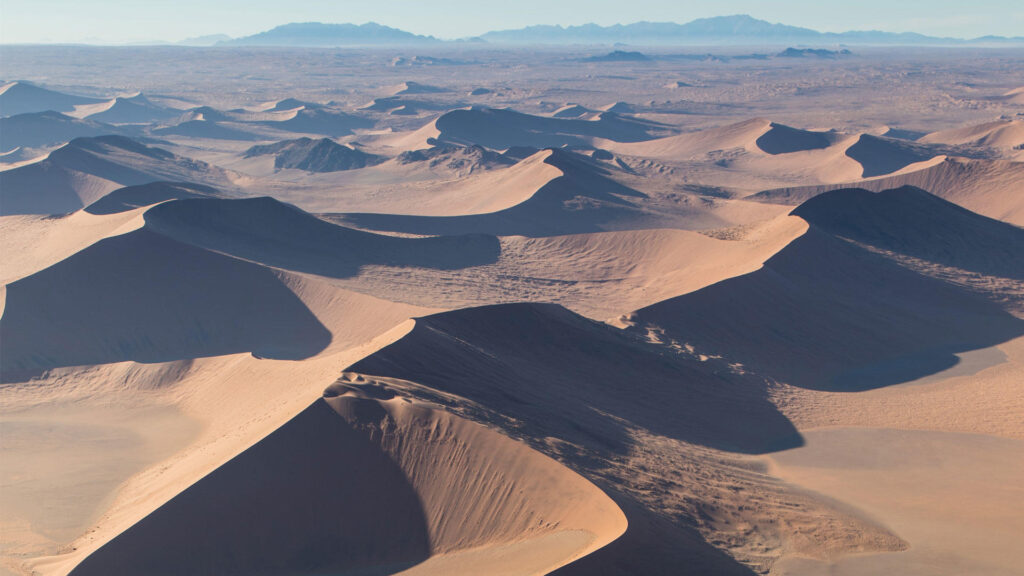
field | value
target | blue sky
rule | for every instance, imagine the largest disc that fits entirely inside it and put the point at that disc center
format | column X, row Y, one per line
column 138, row 20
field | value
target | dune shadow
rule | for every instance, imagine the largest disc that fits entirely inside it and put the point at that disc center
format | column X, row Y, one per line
column 147, row 298
column 316, row 496
column 782, row 139
column 504, row 128
column 276, row 234
column 879, row 156
column 827, row 314
column 896, row 370
column 906, row 220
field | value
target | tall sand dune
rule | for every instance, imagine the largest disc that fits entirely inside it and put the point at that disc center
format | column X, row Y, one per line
column 46, row 128
column 144, row 297
column 25, row 98
column 137, row 109
column 989, row 187
column 373, row 485
column 998, row 134
column 843, row 316
column 270, row 232
column 85, row 169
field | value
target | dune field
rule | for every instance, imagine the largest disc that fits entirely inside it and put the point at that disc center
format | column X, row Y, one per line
column 457, row 310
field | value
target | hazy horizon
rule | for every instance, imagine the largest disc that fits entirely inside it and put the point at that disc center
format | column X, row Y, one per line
column 110, row 21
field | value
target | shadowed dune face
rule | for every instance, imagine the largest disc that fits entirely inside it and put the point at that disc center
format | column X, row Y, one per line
column 781, row 139
column 503, row 128
column 987, row 187
column 23, row 98
column 844, row 318
column 42, row 128
column 374, row 486
column 274, row 233
column 881, row 156
column 535, row 362
column 144, row 297
column 315, row 497
column 905, row 221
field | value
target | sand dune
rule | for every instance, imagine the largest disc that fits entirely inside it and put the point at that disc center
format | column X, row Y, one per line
column 1015, row 96
column 207, row 113
column 46, row 128
column 620, row 108
column 322, row 155
column 583, row 199
column 26, row 98
column 289, row 104
column 781, row 139
column 270, row 232
column 415, row 88
column 504, row 128
column 609, row 405
column 998, row 134
column 759, row 149
column 85, row 169
column 207, row 128
column 571, row 111
column 320, row 121
column 848, row 317
column 36, row 242
column 882, row 156
column 132, row 197
column 738, row 135
column 142, row 296
column 518, row 355
column 988, row 187
column 137, row 109
column 427, row 483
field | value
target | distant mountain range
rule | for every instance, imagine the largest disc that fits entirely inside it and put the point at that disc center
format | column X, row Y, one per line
column 721, row 30
column 320, row 34
column 738, row 29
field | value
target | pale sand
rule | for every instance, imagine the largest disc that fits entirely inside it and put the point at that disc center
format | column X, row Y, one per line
column 898, row 477
column 72, row 459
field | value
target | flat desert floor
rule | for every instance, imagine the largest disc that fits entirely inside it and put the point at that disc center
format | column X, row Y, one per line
column 511, row 312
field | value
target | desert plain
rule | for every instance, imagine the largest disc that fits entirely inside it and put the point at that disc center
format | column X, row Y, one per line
column 464, row 310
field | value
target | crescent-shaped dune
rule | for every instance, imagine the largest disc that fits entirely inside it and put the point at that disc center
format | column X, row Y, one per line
column 377, row 486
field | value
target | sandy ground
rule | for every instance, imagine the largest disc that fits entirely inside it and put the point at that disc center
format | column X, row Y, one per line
column 897, row 477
